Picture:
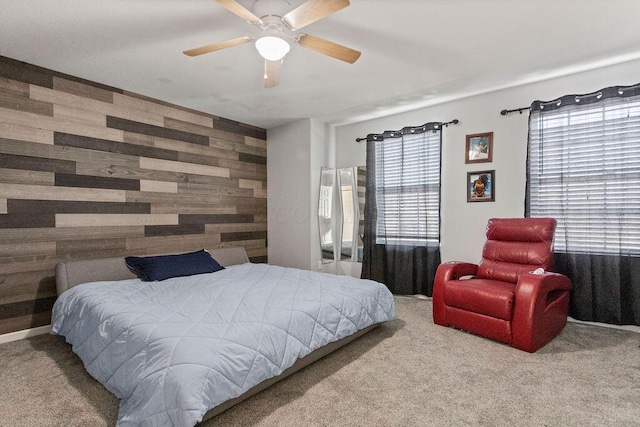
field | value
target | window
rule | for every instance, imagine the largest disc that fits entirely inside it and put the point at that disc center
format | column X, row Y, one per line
column 584, row 170
column 408, row 190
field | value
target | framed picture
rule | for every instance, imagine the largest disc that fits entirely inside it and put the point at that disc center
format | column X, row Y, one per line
column 479, row 148
column 481, row 186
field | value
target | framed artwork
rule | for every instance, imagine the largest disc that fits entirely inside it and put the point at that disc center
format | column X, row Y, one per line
column 479, row 148
column 481, row 186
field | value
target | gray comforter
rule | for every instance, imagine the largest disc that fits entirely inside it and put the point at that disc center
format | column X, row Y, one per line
column 171, row 350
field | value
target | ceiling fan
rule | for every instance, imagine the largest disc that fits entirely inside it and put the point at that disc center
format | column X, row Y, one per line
column 278, row 32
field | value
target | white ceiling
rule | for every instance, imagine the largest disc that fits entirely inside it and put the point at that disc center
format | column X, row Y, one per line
column 414, row 52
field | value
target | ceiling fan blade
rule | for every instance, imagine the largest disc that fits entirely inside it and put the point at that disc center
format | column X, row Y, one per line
column 217, row 46
column 271, row 73
column 240, row 10
column 329, row 48
column 311, row 11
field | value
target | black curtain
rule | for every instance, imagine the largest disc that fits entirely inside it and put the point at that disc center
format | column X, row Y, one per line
column 405, row 269
column 585, row 145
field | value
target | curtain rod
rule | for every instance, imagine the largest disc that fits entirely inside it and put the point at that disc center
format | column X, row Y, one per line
column 519, row 110
column 446, row 124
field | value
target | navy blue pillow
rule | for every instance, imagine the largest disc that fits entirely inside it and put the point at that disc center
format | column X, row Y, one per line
column 163, row 267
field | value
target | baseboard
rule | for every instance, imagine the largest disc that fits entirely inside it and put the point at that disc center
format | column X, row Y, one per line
column 632, row 328
column 26, row 333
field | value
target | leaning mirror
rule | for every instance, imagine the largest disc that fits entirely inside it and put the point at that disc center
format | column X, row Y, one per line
column 325, row 209
column 346, row 181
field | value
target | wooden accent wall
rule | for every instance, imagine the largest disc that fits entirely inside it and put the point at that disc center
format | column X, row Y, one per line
column 90, row 171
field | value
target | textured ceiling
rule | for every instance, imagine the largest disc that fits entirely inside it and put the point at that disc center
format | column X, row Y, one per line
column 414, row 52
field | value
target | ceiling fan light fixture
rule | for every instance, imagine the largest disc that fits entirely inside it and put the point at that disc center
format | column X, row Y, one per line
column 272, row 48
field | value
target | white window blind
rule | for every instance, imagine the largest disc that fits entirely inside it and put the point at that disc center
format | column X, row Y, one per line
column 584, row 170
column 408, row 190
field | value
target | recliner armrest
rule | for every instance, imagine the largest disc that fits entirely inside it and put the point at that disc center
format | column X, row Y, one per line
column 455, row 269
column 538, row 299
column 447, row 271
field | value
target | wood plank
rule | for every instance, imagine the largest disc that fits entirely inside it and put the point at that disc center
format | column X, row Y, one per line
column 24, row 308
column 214, row 219
column 27, row 286
column 23, row 248
column 103, row 220
column 22, row 133
column 27, row 73
column 189, row 208
column 14, row 87
column 118, row 171
column 29, row 163
column 202, row 130
column 255, row 142
column 238, row 227
column 27, row 263
column 25, row 322
column 64, row 98
column 72, row 154
column 172, row 244
column 167, row 165
column 242, row 236
column 78, row 115
column 82, row 90
column 135, row 102
column 182, row 148
column 239, row 128
column 257, row 252
column 251, row 150
column 80, row 181
column 63, row 234
column 38, row 121
column 247, row 244
column 20, row 103
column 90, row 246
column 230, row 190
column 239, row 166
column 153, row 198
column 153, row 130
column 250, row 183
column 251, row 158
column 247, row 174
column 173, row 230
column 107, row 146
column 259, row 193
column 223, row 143
column 158, row 186
column 17, row 176
column 43, row 192
column 34, row 220
column 252, row 209
column 26, row 207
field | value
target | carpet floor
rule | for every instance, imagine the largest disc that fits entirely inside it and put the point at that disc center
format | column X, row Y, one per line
column 408, row 372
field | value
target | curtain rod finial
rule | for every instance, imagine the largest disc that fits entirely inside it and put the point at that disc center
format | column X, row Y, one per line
column 504, row 112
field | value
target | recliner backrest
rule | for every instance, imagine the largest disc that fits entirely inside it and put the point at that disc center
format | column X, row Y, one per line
column 515, row 246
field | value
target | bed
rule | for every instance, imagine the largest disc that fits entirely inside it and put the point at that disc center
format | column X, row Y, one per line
column 182, row 350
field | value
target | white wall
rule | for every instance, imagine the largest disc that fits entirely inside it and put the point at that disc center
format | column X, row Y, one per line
column 295, row 154
column 288, row 183
column 463, row 224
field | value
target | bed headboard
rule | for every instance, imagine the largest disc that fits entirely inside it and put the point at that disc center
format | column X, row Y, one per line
column 71, row 273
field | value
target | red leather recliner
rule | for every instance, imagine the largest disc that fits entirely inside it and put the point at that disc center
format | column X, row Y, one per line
column 505, row 300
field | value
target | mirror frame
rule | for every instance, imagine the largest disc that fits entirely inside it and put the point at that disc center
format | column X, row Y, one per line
column 326, row 206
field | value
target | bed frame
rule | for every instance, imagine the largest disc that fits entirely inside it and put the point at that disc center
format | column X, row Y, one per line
column 72, row 273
